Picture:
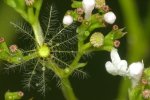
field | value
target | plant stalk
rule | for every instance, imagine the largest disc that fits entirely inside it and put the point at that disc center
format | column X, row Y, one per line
column 67, row 90
column 38, row 33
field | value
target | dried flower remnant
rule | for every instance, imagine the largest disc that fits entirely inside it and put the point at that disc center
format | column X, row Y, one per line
column 144, row 81
column 97, row 39
column 115, row 27
column 146, row 94
column 80, row 11
column 29, row 2
column 2, row 40
column 80, row 19
column 105, row 8
column 13, row 48
column 116, row 43
column 20, row 94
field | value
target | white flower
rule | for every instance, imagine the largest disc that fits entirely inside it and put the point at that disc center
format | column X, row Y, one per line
column 135, row 71
column 110, row 17
column 117, row 66
column 67, row 20
column 88, row 6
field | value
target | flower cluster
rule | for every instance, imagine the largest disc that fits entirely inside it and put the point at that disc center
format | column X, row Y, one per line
column 119, row 67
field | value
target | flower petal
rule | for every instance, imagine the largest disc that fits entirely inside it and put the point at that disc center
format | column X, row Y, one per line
column 122, row 68
column 110, row 68
column 88, row 6
column 115, row 57
column 135, row 72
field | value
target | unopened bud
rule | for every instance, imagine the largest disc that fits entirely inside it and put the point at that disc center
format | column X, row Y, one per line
column 110, row 17
column 67, row 20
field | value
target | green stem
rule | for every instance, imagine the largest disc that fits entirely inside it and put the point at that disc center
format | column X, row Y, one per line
column 38, row 33
column 67, row 90
column 137, row 44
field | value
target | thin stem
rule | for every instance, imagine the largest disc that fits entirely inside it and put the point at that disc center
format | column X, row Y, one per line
column 67, row 90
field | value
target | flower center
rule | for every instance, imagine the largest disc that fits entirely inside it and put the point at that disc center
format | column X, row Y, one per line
column 44, row 51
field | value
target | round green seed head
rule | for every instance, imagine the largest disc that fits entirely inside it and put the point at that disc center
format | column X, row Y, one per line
column 97, row 39
column 44, row 51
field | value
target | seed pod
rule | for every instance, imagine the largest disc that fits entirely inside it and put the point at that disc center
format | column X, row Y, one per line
column 97, row 39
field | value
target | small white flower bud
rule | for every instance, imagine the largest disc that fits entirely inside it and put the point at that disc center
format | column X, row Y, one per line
column 88, row 6
column 110, row 17
column 135, row 72
column 67, row 20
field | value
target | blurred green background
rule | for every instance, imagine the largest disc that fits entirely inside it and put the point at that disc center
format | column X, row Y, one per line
column 132, row 14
